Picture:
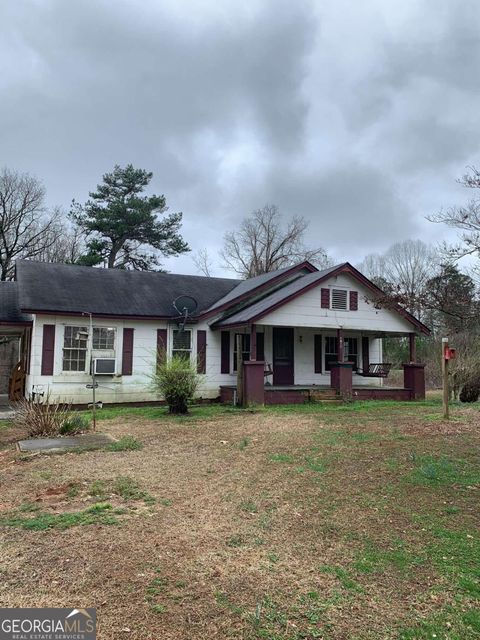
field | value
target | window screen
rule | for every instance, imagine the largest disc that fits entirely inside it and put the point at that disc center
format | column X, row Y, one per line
column 182, row 343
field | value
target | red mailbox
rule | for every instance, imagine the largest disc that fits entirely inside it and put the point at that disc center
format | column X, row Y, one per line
column 449, row 353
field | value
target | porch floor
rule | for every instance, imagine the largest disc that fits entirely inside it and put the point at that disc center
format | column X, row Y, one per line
column 301, row 394
column 313, row 387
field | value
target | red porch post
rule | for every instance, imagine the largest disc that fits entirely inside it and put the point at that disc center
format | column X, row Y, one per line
column 414, row 380
column 253, row 386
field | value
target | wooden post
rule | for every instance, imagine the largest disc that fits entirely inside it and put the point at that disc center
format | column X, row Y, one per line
column 446, row 391
column 239, row 344
column 340, row 346
column 413, row 347
column 253, row 342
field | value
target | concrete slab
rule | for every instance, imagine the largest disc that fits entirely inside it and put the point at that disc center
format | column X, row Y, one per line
column 6, row 414
column 97, row 440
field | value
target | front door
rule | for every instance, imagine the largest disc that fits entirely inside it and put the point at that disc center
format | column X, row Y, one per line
column 283, row 372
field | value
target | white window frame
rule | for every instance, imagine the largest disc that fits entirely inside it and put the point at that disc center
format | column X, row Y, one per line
column 100, row 328
column 70, row 349
column 186, row 352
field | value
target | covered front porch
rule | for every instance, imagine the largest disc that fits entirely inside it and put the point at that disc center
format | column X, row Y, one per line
column 294, row 365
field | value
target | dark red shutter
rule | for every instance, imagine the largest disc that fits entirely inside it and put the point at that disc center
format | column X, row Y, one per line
column 225, row 352
column 48, row 349
column 325, row 298
column 127, row 355
column 260, row 346
column 161, row 346
column 318, row 353
column 353, row 300
column 201, row 351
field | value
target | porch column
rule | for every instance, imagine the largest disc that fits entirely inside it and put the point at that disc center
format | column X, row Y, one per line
column 412, row 347
column 340, row 346
column 414, row 380
column 253, row 342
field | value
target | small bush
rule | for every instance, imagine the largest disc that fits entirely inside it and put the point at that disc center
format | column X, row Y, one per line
column 75, row 423
column 470, row 392
column 176, row 379
column 41, row 419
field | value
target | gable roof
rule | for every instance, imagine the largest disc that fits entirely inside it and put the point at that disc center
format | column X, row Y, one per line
column 281, row 296
column 9, row 305
column 264, row 281
column 275, row 299
column 72, row 289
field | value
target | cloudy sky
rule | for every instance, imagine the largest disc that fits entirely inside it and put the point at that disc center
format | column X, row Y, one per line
column 357, row 115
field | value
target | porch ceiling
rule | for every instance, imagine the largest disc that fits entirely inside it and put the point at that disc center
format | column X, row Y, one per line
column 246, row 326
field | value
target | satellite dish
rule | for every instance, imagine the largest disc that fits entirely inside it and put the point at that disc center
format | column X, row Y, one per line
column 185, row 306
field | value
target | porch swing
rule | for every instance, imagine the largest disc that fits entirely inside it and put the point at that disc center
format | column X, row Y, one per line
column 372, row 369
column 376, row 370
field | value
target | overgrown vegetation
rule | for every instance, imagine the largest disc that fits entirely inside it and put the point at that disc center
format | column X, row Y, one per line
column 48, row 418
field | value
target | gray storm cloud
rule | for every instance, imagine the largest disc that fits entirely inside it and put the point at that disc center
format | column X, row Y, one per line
column 358, row 116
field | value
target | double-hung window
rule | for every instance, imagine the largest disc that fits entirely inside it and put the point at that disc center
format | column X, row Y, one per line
column 182, row 344
column 245, row 349
column 103, row 339
column 75, row 340
column 331, row 352
column 351, row 351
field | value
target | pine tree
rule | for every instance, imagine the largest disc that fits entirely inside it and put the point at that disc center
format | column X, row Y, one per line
column 124, row 228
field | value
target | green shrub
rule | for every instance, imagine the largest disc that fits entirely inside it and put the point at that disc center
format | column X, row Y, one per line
column 177, row 380
column 75, row 423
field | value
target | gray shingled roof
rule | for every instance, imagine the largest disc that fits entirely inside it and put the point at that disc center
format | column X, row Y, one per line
column 263, row 305
column 73, row 289
column 9, row 304
column 245, row 286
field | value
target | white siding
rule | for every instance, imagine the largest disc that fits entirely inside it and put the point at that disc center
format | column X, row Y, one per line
column 305, row 311
column 71, row 386
column 304, row 314
column 304, row 357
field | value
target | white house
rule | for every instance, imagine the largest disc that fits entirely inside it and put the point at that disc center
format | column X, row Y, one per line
column 298, row 322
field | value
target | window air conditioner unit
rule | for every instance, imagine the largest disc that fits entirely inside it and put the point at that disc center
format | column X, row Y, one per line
column 104, row 366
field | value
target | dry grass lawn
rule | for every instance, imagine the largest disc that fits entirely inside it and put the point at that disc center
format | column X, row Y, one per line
column 358, row 521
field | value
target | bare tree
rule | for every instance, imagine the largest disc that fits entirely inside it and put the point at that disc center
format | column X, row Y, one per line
column 373, row 266
column 466, row 219
column 66, row 242
column 24, row 224
column 403, row 273
column 263, row 243
column 409, row 265
column 202, row 261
